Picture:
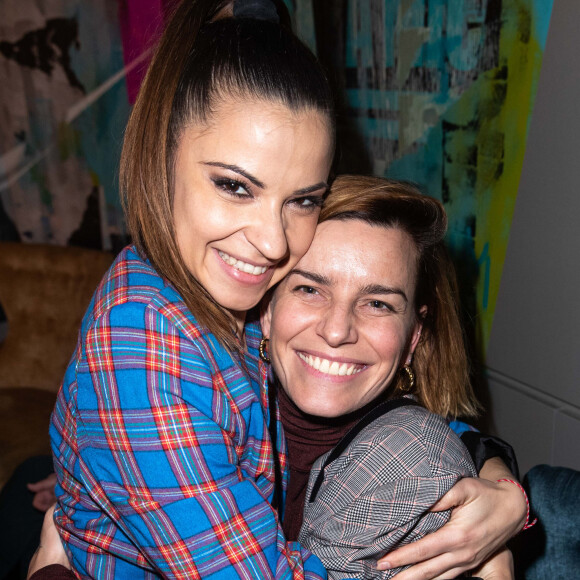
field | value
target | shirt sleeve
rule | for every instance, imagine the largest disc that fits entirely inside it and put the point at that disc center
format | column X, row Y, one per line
column 482, row 447
column 173, row 459
column 376, row 496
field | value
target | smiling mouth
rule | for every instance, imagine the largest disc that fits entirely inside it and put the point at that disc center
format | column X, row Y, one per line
column 242, row 266
column 327, row 367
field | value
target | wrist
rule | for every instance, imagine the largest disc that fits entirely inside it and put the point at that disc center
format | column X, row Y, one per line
column 522, row 494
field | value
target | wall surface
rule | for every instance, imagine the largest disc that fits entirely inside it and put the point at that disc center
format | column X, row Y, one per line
column 534, row 349
column 440, row 92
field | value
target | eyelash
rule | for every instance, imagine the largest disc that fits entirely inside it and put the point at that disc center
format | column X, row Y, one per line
column 230, row 186
column 314, row 202
column 304, row 289
column 379, row 305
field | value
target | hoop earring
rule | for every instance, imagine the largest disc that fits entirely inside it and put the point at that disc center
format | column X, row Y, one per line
column 262, row 350
column 411, row 377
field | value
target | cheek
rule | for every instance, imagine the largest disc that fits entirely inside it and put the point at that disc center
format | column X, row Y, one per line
column 299, row 238
column 281, row 331
column 288, row 322
column 390, row 345
column 300, row 234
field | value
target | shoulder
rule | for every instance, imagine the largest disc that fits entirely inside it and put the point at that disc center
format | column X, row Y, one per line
column 132, row 290
column 131, row 278
column 410, row 441
column 406, row 423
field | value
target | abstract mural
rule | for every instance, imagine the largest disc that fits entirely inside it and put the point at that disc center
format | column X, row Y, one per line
column 60, row 135
column 69, row 72
column 439, row 92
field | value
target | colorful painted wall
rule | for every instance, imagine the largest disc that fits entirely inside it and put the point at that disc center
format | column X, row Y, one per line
column 440, row 92
column 436, row 91
column 69, row 71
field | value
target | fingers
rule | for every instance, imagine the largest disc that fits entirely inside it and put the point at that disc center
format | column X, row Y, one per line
column 427, row 547
column 450, row 541
column 43, row 500
column 450, row 500
column 481, row 522
column 43, row 491
column 44, row 484
column 499, row 567
column 442, row 567
column 50, row 550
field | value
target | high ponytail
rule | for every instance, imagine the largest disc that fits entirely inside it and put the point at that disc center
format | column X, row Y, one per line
column 205, row 54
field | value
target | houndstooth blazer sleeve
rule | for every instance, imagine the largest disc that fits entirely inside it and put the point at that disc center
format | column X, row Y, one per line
column 376, row 495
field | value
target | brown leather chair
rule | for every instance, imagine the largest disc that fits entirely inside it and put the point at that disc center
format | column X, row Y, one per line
column 44, row 291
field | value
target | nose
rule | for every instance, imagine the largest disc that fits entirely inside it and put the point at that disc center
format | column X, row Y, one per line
column 268, row 234
column 337, row 325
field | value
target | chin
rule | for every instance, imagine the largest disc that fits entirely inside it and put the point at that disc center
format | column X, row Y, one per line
column 241, row 305
column 319, row 409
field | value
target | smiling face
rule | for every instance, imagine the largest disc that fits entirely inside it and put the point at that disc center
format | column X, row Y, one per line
column 343, row 322
column 248, row 187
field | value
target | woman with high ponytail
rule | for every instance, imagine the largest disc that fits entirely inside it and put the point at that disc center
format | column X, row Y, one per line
column 161, row 432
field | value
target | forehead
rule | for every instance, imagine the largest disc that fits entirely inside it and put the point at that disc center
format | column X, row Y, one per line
column 260, row 135
column 252, row 116
column 358, row 253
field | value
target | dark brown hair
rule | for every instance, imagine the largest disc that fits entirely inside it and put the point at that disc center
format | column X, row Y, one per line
column 202, row 57
column 440, row 360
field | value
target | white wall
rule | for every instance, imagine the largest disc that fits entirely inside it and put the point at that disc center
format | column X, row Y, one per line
column 534, row 350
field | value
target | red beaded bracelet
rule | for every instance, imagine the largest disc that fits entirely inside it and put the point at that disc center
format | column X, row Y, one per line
column 528, row 524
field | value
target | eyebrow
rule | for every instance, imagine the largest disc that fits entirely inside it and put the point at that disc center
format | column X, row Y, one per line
column 380, row 289
column 238, row 170
column 260, row 184
column 318, row 278
column 369, row 289
column 312, row 188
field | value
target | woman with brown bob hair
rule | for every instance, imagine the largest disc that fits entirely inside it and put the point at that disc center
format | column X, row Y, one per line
column 440, row 357
column 363, row 329
column 163, row 434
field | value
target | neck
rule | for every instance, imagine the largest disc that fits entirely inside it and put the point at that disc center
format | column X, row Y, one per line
column 239, row 317
column 308, row 437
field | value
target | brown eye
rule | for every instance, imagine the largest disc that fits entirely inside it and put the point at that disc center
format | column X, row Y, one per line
column 309, row 202
column 303, row 289
column 232, row 187
column 381, row 306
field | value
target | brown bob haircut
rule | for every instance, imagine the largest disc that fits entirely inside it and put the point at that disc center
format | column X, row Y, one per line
column 203, row 56
column 440, row 360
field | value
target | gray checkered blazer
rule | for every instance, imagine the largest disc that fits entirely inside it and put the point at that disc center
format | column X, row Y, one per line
column 376, row 495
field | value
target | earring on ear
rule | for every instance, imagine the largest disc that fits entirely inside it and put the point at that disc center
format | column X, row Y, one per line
column 411, row 376
column 262, row 350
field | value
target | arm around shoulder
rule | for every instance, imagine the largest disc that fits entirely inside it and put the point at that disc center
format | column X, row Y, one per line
column 167, row 456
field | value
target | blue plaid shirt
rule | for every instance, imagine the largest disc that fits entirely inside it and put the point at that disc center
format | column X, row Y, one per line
column 164, row 459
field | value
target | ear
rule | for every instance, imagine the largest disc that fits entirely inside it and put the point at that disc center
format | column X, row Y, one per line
column 417, row 328
column 266, row 314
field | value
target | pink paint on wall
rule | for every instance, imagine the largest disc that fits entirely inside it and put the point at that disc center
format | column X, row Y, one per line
column 141, row 24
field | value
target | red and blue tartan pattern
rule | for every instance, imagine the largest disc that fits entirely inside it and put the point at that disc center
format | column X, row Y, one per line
column 162, row 451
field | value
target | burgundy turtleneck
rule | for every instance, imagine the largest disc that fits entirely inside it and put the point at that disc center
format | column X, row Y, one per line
column 307, row 437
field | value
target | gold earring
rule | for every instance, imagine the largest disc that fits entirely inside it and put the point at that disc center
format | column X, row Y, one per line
column 411, row 377
column 262, row 350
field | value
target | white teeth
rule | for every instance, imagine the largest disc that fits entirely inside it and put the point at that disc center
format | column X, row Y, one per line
column 330, row 368
column 242, row 266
